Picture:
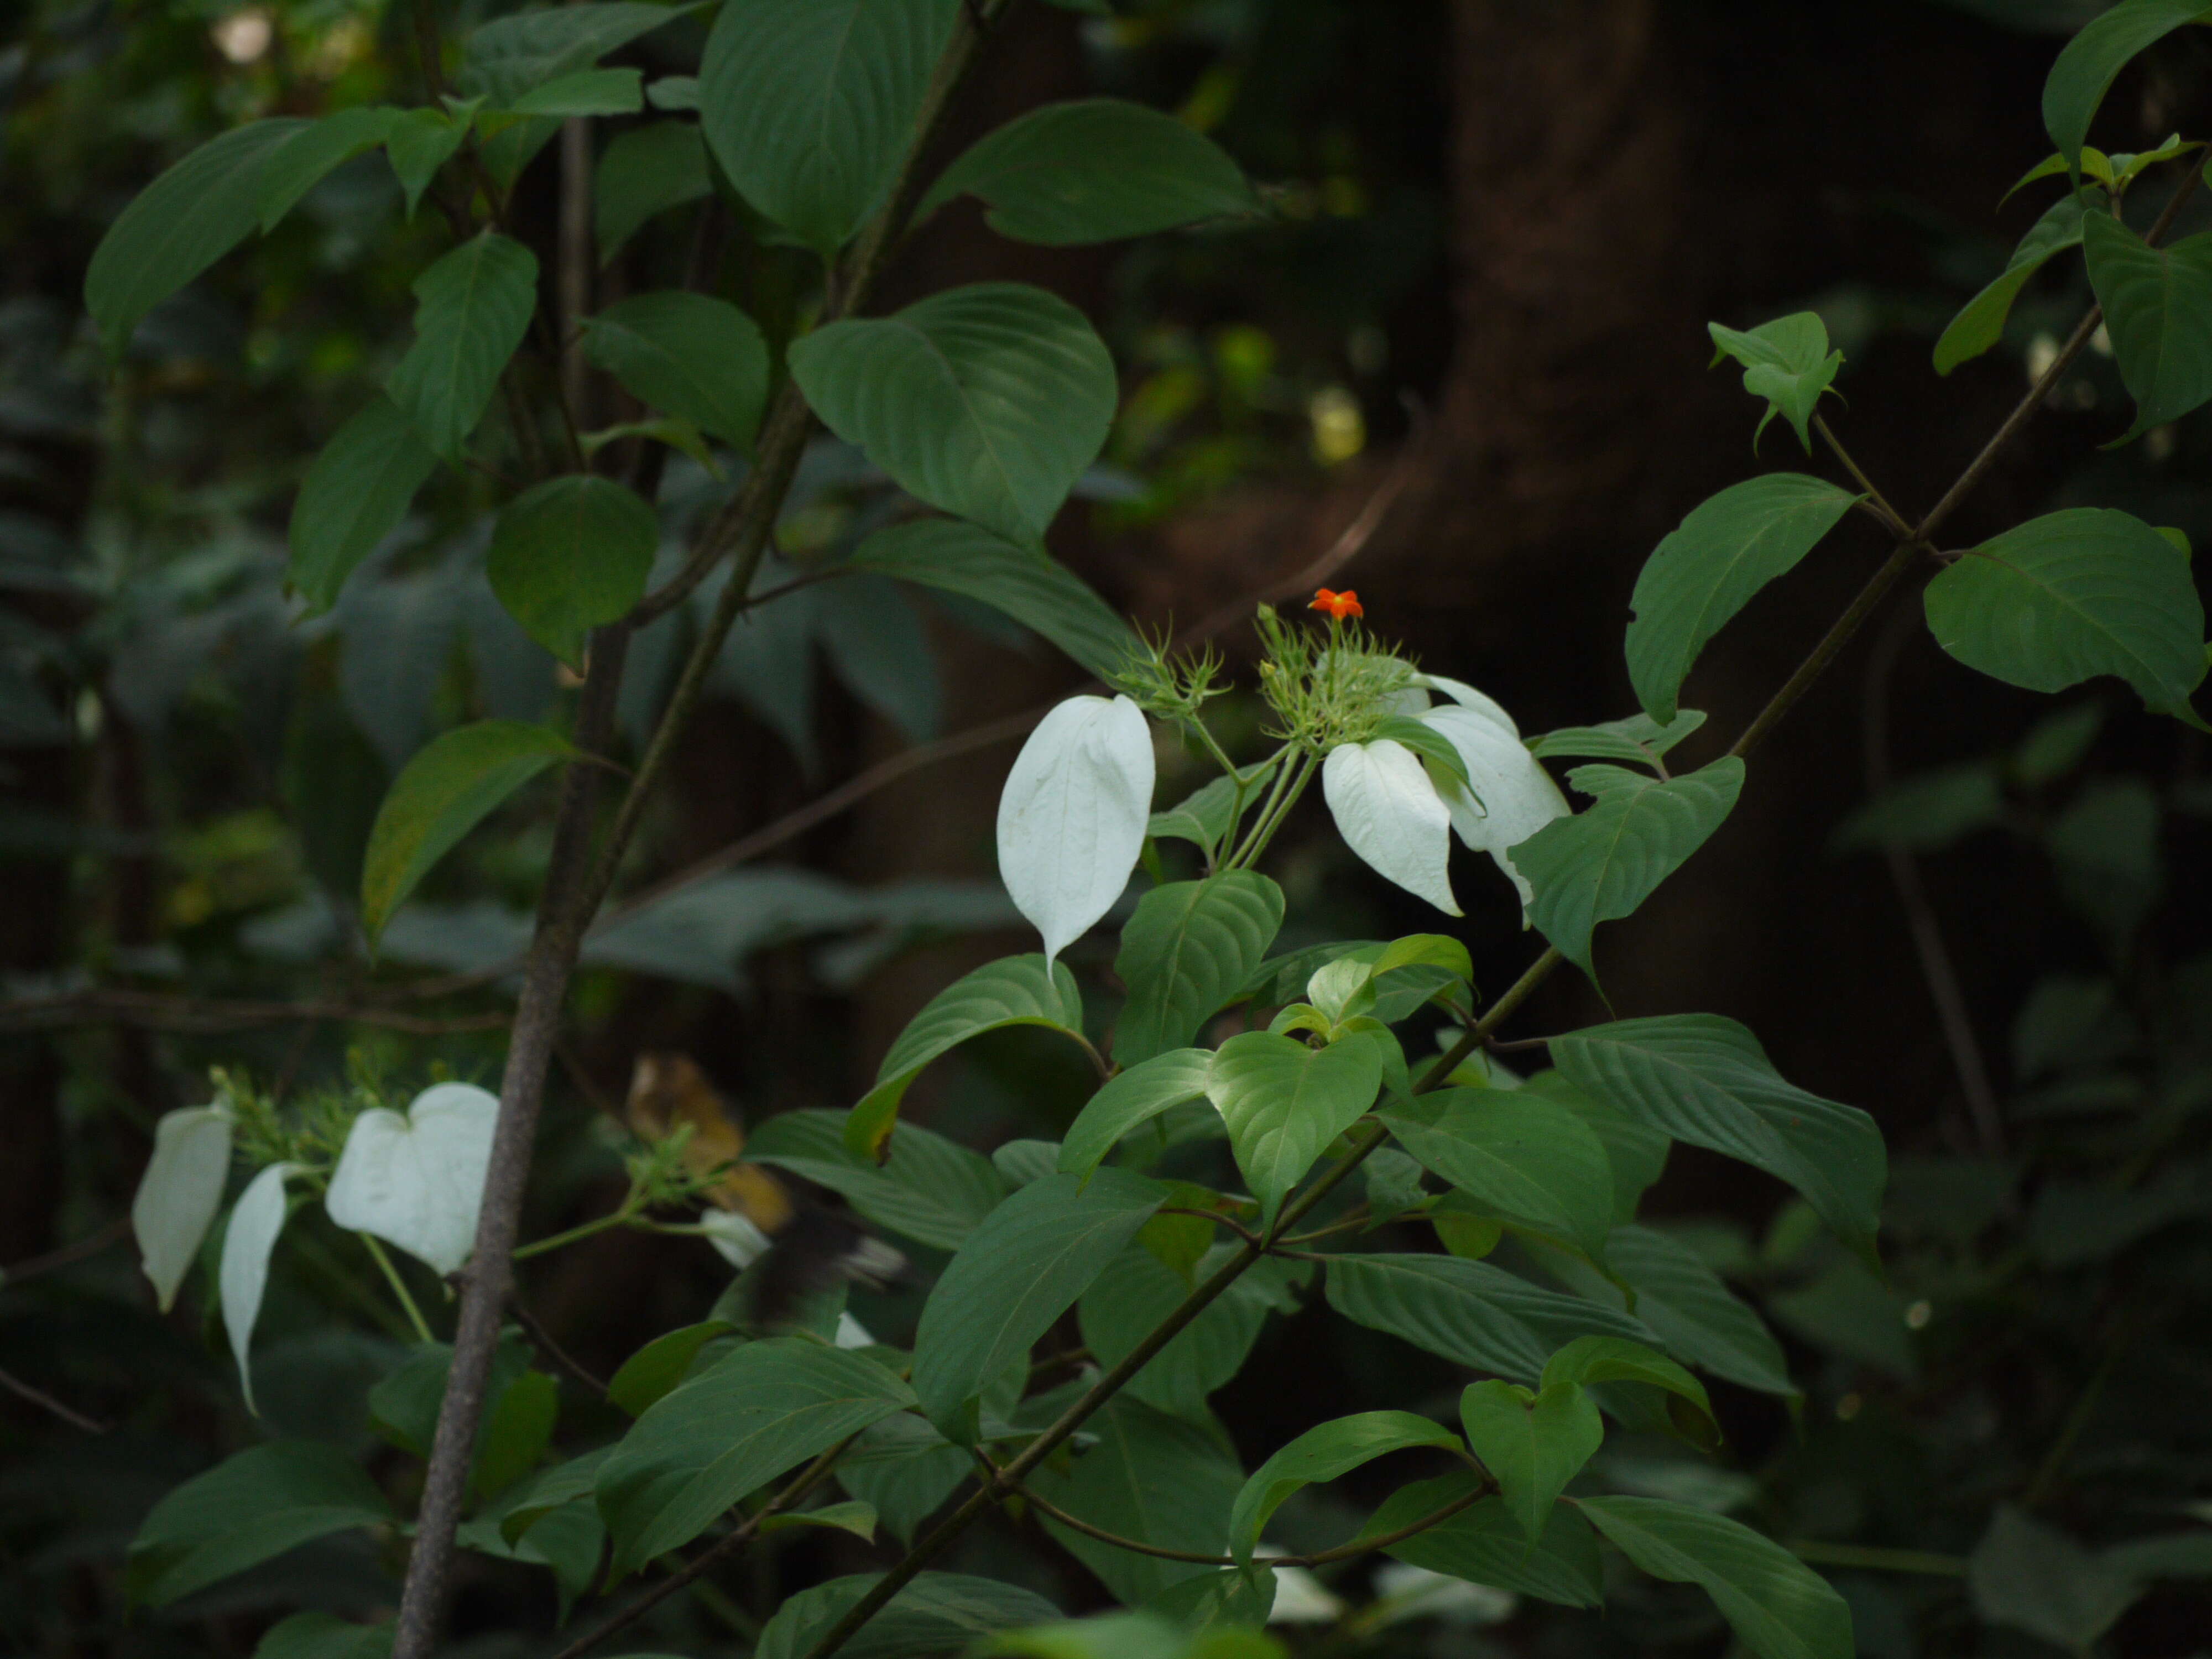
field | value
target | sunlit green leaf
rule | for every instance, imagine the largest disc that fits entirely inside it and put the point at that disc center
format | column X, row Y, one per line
column 1284, row 1101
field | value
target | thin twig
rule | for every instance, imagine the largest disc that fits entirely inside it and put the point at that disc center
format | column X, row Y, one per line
column 559, row 1355
column 68, row 1256
column 76, row 1420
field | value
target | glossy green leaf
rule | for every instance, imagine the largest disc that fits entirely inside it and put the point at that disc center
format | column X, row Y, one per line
column 931, row 1189
column 245, row 1509
column 2083, row 592
column 688, row 355
column 1166, row 1481
column 1016, row 1274
column 1638, row 739
column 763, row 1408
column 1095, row 171
column 1013, row 991
column 1469, row 1312
column 420, row 142
column 938, row 1613
column 1614, row 1360
column 1523, row 1158
column 809, row 105
column 1980, row 322
column 2158, row 313
column 1636, row 1152
column 1532, row 1444
column 505, row 59
column 643, row 172
column 1035, row 589
column 1285, row 1102
column 309, row 155
column 1186, row 953
column 987, row 400
column 471, row 310
column 570, row 554
column 584, row 93
column 179, row 225
column 1485, row 1544
column 1130, row 1099
column 1780, row 1608
column 2086, row 68
column 1731, row 545
column 661, row 1365
column 446, row 790
column 1323, row 1453
column 1603, row 862
column 1704, row 1079
column 1787, row 361
column 355, row 494
column 1126, row 1303
column 1205, row 816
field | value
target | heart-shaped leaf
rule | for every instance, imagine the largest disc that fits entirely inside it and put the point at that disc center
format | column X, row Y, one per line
column 568, row 555
column 1285, row 1102
column 2158, row 313
column 1071, row 817
column 1786, row 362
column 417, row 1182
column 179, row 1192
column 1532, row 1444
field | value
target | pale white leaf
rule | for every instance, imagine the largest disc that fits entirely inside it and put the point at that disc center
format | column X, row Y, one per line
column 1071, row 817
column 1511, row 795
column 1303, row 1599
column 1390, row 814
column 852, row 1334
column 178, row 1193
column 417, row 1182
column 1467, row 697
column 255, row 1221
column 734, row 1237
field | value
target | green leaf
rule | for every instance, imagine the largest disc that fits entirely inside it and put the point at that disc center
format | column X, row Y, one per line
column 2073, row 594
column 2158, row 312
column 1638, row 739
column 1137, row 1291
column 587, row 91
column 2096, row 164
column 988, row 401
column 1614, row 1360
column 1285, row 1102
column 1684, row 1303
column 1166, row 1481
column 449, row 787
column 856, row 1519
column 938, row 1613
column 1779, row 1607
column 1786, row 362
column 765, row 1408
column 1013, row 991
column 1484, row 1544
column 1186, row 953
column 689, row 355
column 472, row 309
column 905, row 1470
column 179, row 225
column 1637, row 1152
column 1016, row 1274
column 809, row 105
column 1523, row 1158
column 556, row 1488
column 1469, row 1312
column 1602, row 863
column 642, row 172
column 1980, row 322
column 661, row 1365
column 2034, row 1579
column 2084, row 70
column 1219, row 1613
column 1036, row 590
column 1708, row 569
column 503, row 59
column 932, row 1189
column 309, row 155
column 1131, row 1098
column 420, row 142
column 355, row 496
column 245, row 1509
column 1323, row 1453
column 1095, row 171
column 1927, row 812
column 570, row 554
column 515, row 1433
column 1532, row 1444
column 323, row 1636
column 1206, row 816
column 1704, row 1079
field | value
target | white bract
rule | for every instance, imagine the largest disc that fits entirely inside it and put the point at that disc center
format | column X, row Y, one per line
column 1394, row 809
column 1300, row 1598
column 734, row 1237
column 255, row 1221
column 1071, row 817
column 416, row 1181
column 178, row 1193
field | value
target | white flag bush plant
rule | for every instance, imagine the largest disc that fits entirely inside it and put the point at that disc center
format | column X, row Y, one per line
column 1259, row 1116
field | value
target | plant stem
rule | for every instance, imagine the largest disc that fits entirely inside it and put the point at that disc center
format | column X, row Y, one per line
column 582, row 1231
column 398, row 1285
column 1876, row 1559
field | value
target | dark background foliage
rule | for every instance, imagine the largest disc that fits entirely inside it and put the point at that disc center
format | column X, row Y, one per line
column 1501, row 226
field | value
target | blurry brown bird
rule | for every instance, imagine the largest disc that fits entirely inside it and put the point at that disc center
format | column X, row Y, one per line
column 812, row 1247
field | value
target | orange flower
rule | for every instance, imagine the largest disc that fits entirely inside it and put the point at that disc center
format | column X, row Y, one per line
column 1339, row 605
